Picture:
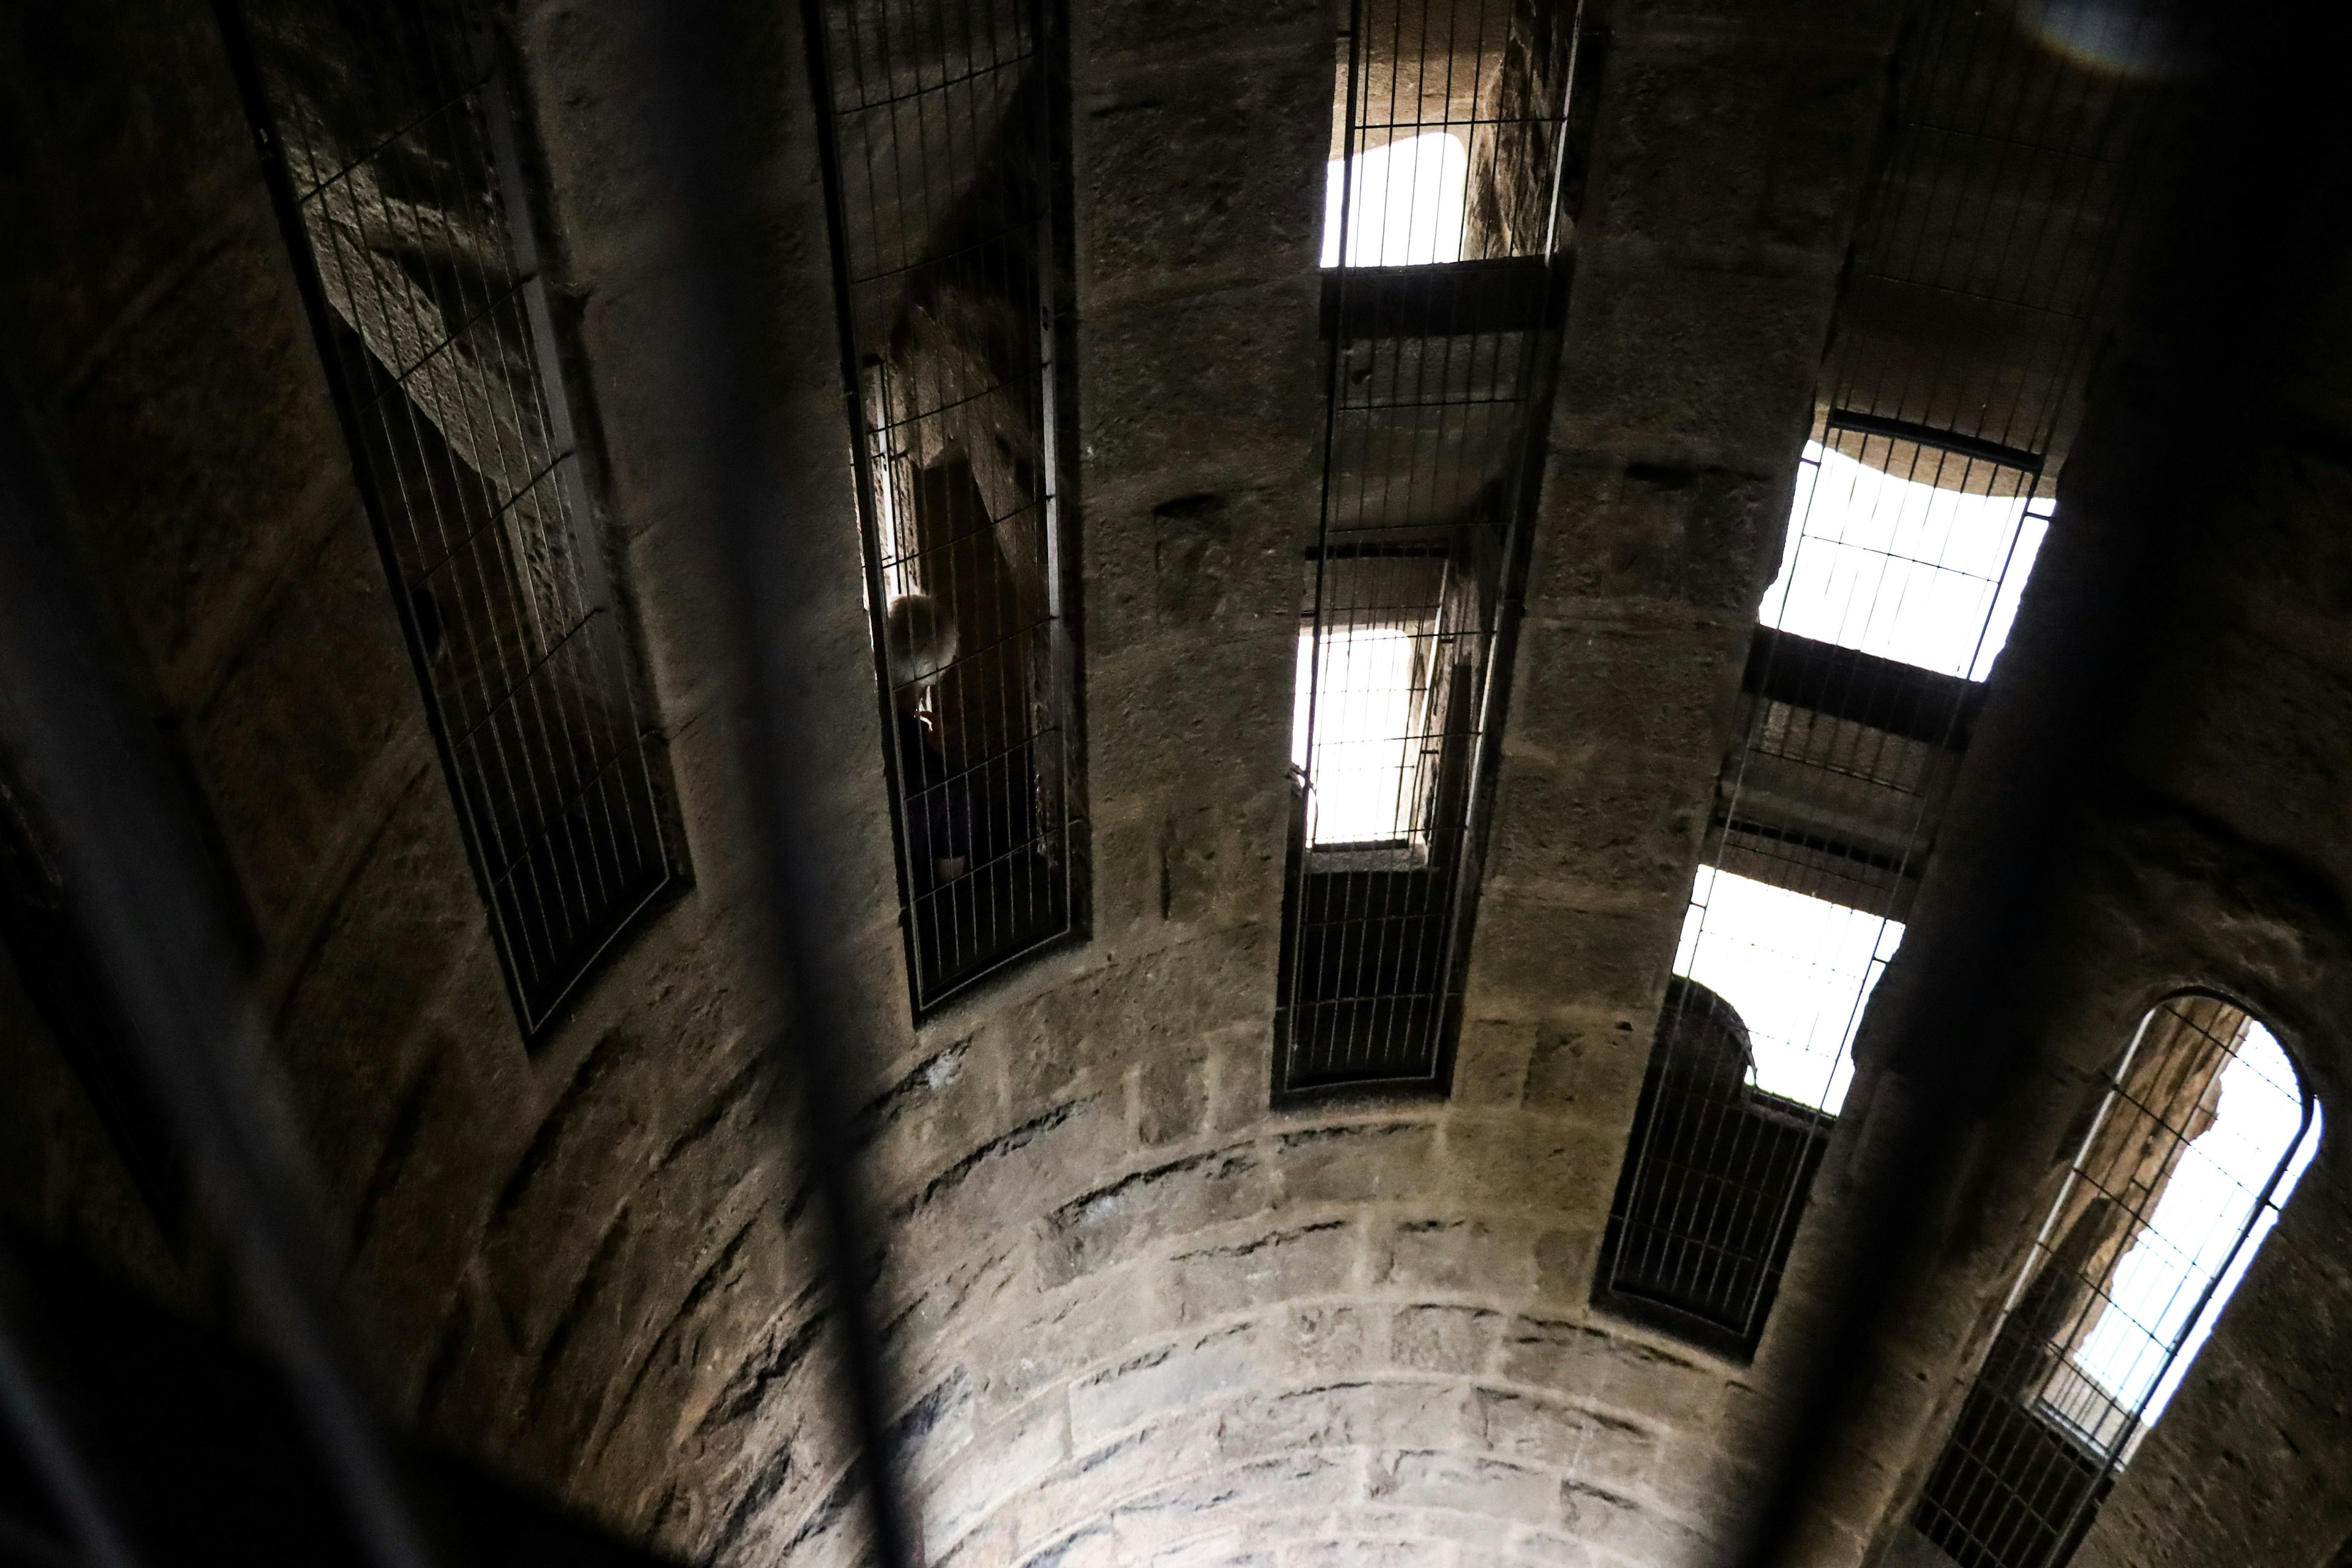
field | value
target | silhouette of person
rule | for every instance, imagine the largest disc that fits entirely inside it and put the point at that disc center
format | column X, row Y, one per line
column 919, row 640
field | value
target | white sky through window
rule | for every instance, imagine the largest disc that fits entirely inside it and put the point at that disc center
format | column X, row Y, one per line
column 1364, row 743
column 1797, row 970
column 1901, row 569
column 2190, row 1237
column 1406, row 204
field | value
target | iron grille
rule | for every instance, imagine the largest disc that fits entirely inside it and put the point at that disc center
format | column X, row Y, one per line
column 1440, row 305
column 938, row 150
column 2197, row 1142
column 391, row 145
column 1984, row 275
column 1695, row 1223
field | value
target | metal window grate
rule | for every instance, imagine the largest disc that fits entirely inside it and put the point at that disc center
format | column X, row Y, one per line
column 1984, row 274
column 2196, row 1144
column 390, row 146
column 1694, row 1228
column 1450, row 151
column 938, row 120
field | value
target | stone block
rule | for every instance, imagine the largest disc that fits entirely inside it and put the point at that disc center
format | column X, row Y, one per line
column 1226, row 558
column 1154, row 1382
column 1360, row 1162
column 1612, row 1370
column 1565, row 1261
column 1611, row 1523
column 1183, row 176
column 1150, row 1206
column 1219, row 388
column 1491, row 1487
column 1688, row 365
column 1693, row 534
column 932, row 1115
column 1093, row 1546
column 307, row 742
column 1324, row 1338
column 1441, row 1338
column 1590, row 1068
column 1636, row 692
column 1134, row 1465
column 1241, row 1077
column 240, row 470
column 1171, row 1097
column 1235, row 1548
column 1052, row 1337
column 1190, row 728
column 1355, row 1551
column 1002, row 1458
column 1340, row 1415
column 1221, row 866
column 1476, row 1258
column 1736, row 147
column 1196, row 1504
column 1279, row 1266
column 1532, row 953
column 1002, row 1173
column 1490, row 1062
column 1603, row 1449
column 1518, row 1161
column 1612, row 824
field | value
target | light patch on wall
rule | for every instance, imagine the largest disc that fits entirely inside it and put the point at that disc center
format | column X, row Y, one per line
column 1364, row 704
column 1797, row 970
column 1403, row 205
column 1906, row 571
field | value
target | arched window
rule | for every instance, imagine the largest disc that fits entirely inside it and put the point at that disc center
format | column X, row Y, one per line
column 2204, row 1129
column 1700, row 1226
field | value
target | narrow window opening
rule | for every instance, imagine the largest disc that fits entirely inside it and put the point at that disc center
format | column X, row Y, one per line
column 2204, row 1130
column 392, row 155
column 947, row 213
column 1397, row 205
column 1441, row 229
column 1900, row 551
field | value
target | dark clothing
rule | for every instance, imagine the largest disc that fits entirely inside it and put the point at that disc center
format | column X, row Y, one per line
column 937, row 812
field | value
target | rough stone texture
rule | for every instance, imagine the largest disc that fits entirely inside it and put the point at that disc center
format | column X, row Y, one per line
column 1131, row 1315
column 574, row 1262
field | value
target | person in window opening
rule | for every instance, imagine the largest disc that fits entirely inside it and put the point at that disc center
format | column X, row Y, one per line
column 919, row 640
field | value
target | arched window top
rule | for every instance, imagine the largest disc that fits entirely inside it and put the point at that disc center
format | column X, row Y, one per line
column 2196, row 1144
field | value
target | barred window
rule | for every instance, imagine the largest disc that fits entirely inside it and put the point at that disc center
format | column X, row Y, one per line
column 938, row 135
column 1449, row 140
column 1965, row 331
column 392, row 147
column 2204, row 1129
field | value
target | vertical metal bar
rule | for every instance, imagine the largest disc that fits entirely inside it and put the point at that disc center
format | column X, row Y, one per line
column 133, row 880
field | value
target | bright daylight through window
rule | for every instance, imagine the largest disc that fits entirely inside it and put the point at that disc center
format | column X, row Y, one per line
column 1403, row 203
column 1797, row 970
column 1923, row 574
column 2206, row 1228
column 1906, row 571
column 1363, row 706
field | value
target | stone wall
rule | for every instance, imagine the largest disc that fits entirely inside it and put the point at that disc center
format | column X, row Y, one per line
column 572, row 1261
column 1131, row 1313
